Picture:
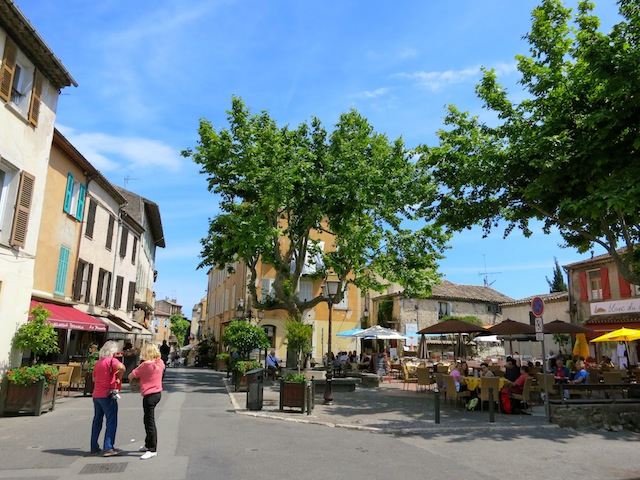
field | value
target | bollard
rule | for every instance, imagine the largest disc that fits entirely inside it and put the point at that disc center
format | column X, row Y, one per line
column 492, row 409
column 309, row 398
column 436, row 404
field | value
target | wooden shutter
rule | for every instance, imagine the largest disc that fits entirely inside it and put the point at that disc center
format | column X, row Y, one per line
column 91, row 218
column 133, row 250
column 584, row 293
column 68, row 196
column 625, row 287
column 87, row 298
column 77, row 284
column 108, row 294
column 23, row 207
column 112, row 222
column 36, row 95
column 101, row 275
column 123, row 242
column 81, row 196
column 117, row 301
column 606, row 288
column 8, row 69
column 63, row 266
column 131, row 297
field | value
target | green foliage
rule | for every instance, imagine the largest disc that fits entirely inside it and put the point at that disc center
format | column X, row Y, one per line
column 281, row 187
column 469, row 319
column 92, row 357
column 557, row 284
column 561, row 339
column 33, row 374
column 243, row 366
column 295, row 377
column 37, row 335
column 298, row 338
column 566, row 154
column 179, row 327
column 244, row 337
column 224, row 357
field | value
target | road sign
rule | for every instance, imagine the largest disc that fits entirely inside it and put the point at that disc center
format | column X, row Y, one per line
column 539, row 325
column 537, row 306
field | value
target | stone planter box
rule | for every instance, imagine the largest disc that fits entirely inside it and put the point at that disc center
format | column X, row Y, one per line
column 239, row 382
column 33, row 399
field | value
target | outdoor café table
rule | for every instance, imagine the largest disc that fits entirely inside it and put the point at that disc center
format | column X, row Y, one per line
column 473, row 383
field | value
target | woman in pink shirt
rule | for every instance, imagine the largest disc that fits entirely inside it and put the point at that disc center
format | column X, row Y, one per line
column 150, row 374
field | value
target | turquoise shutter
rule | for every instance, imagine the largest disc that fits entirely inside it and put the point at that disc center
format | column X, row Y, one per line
column 69, row 194
column 61, row 277
column 81, row 195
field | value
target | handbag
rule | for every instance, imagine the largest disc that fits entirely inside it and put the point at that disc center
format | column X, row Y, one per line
column 113, row 394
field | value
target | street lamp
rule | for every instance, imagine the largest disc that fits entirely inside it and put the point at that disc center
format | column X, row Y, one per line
column 329, row 291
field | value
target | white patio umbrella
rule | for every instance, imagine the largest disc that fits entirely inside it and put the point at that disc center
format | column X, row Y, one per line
column 380, row 333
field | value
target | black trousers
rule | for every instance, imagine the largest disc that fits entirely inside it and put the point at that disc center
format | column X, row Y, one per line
column 149, row 403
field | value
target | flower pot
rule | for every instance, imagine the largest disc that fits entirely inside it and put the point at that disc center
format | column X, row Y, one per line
column 222, row 365
column 293, row 395
column 88, row 384
column 239, row 382
column 33, row 399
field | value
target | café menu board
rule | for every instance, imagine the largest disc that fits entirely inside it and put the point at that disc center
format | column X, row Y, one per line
column 382, row 366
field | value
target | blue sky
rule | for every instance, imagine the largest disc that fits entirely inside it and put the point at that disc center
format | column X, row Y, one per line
column 148, row 71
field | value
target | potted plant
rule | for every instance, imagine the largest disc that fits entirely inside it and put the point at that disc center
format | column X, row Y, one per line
column 32, row 388
column 92, row 357
column 293, row 391
column 223, row 361
column 244, row 338
column 298, row 339
column 240, row 369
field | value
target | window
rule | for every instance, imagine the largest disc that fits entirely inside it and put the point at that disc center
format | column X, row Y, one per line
column 117, row 300
column 494, row 308
column 110, row 228
column 267, row 291
column 83, row 282
column 166, row 323
column 131, row 297
column 595, row 285
column 306, row 290
column 270, row 331
column 63, row 267
column 344, row 303
column 20, row 82
column 123, row 242
column 74, row 197
column 444, row 309
column 91, row 218
column 133, row 250
column 104, row 288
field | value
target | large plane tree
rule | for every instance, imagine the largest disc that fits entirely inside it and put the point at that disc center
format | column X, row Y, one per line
column 280, row 188
column 566, row 153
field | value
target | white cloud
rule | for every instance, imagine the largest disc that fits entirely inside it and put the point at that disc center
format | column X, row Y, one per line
column 378, row 92
column 109, row 152
column 438, row 80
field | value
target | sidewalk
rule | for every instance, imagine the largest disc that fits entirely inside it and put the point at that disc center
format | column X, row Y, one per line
column 386, row 409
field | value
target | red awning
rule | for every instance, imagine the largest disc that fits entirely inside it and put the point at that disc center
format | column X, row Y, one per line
column 70, row 318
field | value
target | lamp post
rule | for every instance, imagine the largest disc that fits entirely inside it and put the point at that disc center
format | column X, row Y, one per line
column 329, row 290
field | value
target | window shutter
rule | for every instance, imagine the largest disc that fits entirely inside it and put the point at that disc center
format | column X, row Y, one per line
column 81, row 195
column 133, row 252
column 123, row 242
column 36, row 95
column 23, row 207
column 8, row 69
column 584, row 293
column 117, row 302
column 61, row 277
column 91, row 218
column 625, row 287
column 68, row 194
column 101, row 274
column 131, row 297
column 606, row 288
column 87, row 297
column 112, row 222
column 77, row 284
column 107, row 301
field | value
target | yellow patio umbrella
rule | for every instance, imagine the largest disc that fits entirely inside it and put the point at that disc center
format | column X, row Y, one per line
column 623, row 334
column 581, row 346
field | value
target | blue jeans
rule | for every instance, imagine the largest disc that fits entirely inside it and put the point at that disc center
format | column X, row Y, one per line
column 104, row 407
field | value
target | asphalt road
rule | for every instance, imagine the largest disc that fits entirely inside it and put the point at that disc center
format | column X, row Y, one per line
column 202, row 437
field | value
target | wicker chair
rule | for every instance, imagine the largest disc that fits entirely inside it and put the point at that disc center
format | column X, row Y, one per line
column 451, row 393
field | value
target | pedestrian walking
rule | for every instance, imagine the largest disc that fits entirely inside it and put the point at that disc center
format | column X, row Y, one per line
column 107, row 375
column 149, row 372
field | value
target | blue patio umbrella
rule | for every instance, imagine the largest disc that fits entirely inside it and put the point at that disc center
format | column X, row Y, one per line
column 349, row 333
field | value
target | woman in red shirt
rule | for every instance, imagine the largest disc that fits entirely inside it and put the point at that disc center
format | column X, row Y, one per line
column 149, row 372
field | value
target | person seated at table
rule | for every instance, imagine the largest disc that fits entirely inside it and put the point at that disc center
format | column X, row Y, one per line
column 344, row 357
column 560, row 372
column 511, row 371
column 606, row 363
column 486, row 372
column 464, row 369
column 581, row 374
column 461, row 386
column 518, row 385
column 273, row 363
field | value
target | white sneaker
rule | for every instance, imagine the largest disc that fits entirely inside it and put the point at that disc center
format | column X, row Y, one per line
column 143, row 449
column 147, row 455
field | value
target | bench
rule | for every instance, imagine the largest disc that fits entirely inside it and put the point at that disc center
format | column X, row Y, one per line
column 346, row 384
